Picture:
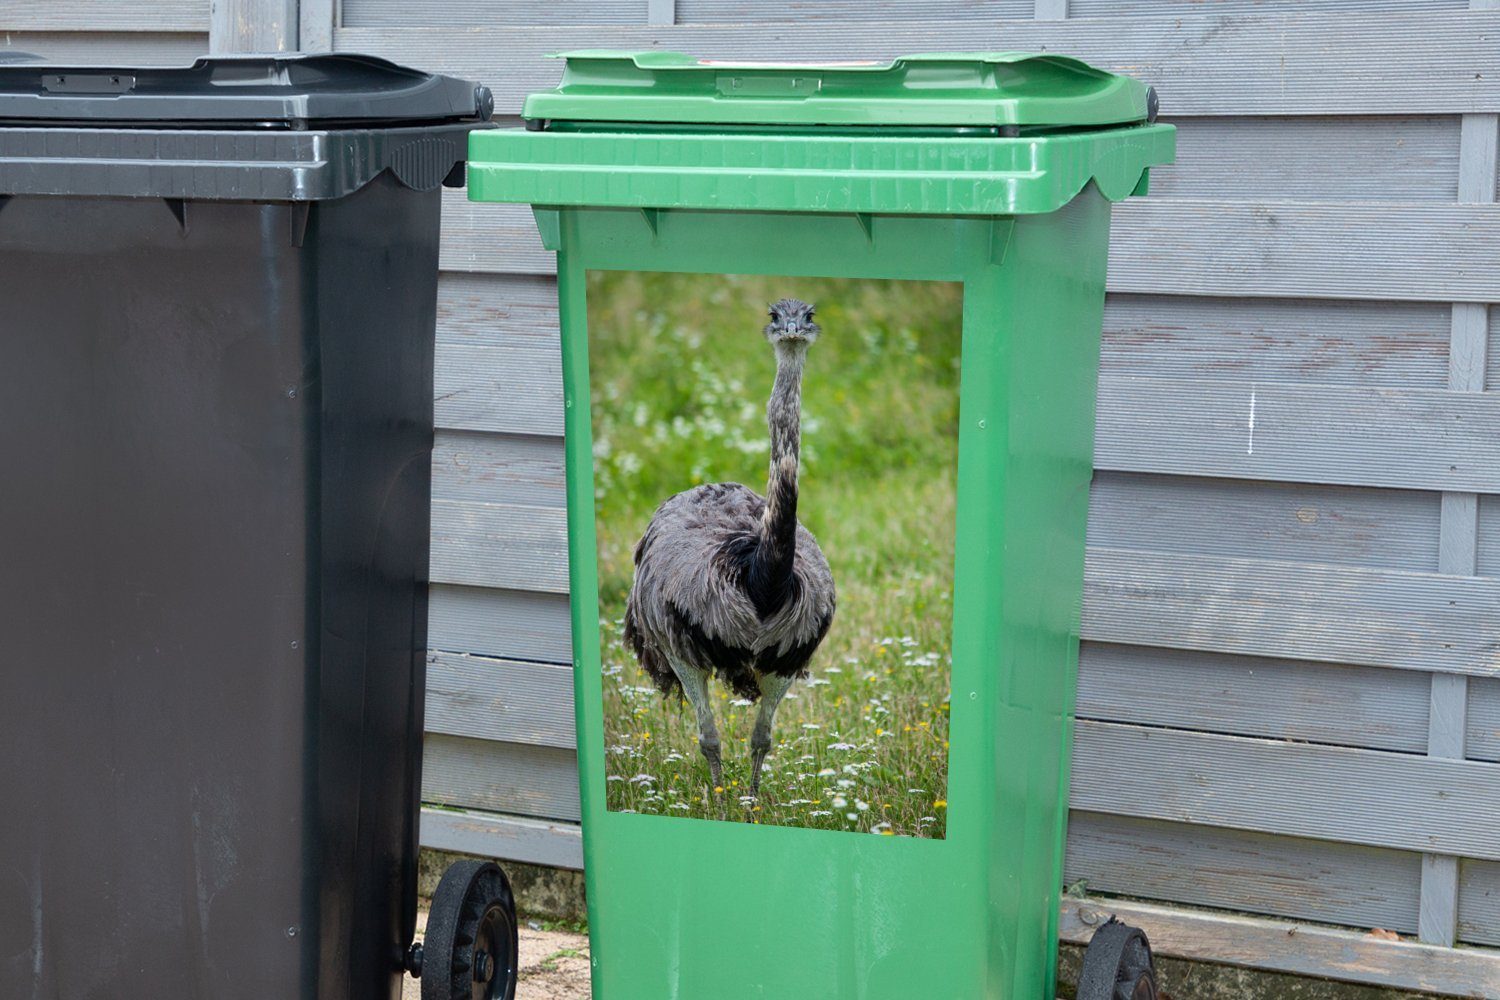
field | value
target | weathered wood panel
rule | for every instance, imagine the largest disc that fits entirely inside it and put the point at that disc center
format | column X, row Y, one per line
column 1482, row 733
column 483, row 236
column 1253, row 872
column 1359, row 250
column 1296, row 789
column 812, row 11
column 1301, row 949
column 1403, row 438
column 511, row 546
column 1488, row 543
column 497, row 310
column 1412, row 158
column 92, row 16
column 1254, row 607
column 500, row 777
column 501, row 623
column 516, row 389
column 514, row 838
column 488, row 13
column 510, row 701
column 1381, row 64
column 1155, row 8
column 1329, row 342
column 108, row 48
column 1254, row 696
column 1479, row 903
column 498, row 468
column 1351, row 526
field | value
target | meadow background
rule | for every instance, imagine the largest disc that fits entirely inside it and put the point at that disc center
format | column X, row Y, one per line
column 680, row 374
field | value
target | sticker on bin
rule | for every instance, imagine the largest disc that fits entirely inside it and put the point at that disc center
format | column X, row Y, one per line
column 775, row 469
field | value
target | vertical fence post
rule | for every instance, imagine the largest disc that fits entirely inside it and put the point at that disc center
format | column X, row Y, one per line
column 252, row 26
column 1458, row 539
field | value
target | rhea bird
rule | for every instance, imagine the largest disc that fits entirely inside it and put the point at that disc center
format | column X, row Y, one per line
column 728, row 583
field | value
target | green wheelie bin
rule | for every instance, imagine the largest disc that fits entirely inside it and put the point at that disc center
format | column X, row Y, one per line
column 824, row 718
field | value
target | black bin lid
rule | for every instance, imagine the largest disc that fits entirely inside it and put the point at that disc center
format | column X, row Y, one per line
column 233, row 128
column 255, row 91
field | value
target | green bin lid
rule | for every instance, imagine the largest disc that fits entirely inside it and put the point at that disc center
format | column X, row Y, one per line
column 935, row 89
column 982, row 134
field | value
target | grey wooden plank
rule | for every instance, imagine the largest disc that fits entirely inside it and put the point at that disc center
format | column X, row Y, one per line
column 1487, row 543
column 508, row 701
column 661, row 11
column 1251, row 872
column 1368, row 707
column 509, row 838
column 788, row 12
column 1297, row 948
column 500, row 777
column 1482, row 736
column 515, row 389
column 1050, row 10
column 1437, row 919
column 1492, row 354
column 499, row 545
column 498, row 468
column 1307, row 158
column 109, row 48
column 497, row 310
column 91, row 16
column 316, row 20
column 1383, row 63
column 1351, row 526
column 1477, row 175
column 506, row 623
column 483, row 236
column 1354, row 796
column 253, row 25
column 1156, row 8
column 1204, row 246
column 1331, row 342
column 1255, row 607
column 511, row 13
column 1479, row 903
column 1351, row 435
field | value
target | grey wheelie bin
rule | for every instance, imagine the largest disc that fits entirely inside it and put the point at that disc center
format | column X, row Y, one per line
column 217, row 306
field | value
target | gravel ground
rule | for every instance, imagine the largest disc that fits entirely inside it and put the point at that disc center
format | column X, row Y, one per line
column 554, row 966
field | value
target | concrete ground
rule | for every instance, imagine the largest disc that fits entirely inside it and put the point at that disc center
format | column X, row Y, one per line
column 554, row 965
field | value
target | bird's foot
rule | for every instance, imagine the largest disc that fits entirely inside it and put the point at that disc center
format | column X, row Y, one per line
column 757, row 760
column 715, row 765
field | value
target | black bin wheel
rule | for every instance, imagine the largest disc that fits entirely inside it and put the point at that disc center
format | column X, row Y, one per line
column 471, row 947
column 1117, row 965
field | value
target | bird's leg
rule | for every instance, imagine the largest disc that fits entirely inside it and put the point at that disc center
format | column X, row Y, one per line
column 772, row 689
column 695, row 686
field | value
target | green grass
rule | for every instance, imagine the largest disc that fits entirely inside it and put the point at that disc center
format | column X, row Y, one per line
column 680, row 375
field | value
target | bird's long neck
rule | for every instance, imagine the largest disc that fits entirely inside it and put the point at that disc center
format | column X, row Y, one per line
column 777, row 543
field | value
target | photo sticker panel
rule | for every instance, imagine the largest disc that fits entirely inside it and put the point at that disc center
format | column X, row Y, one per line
column 775, row 469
